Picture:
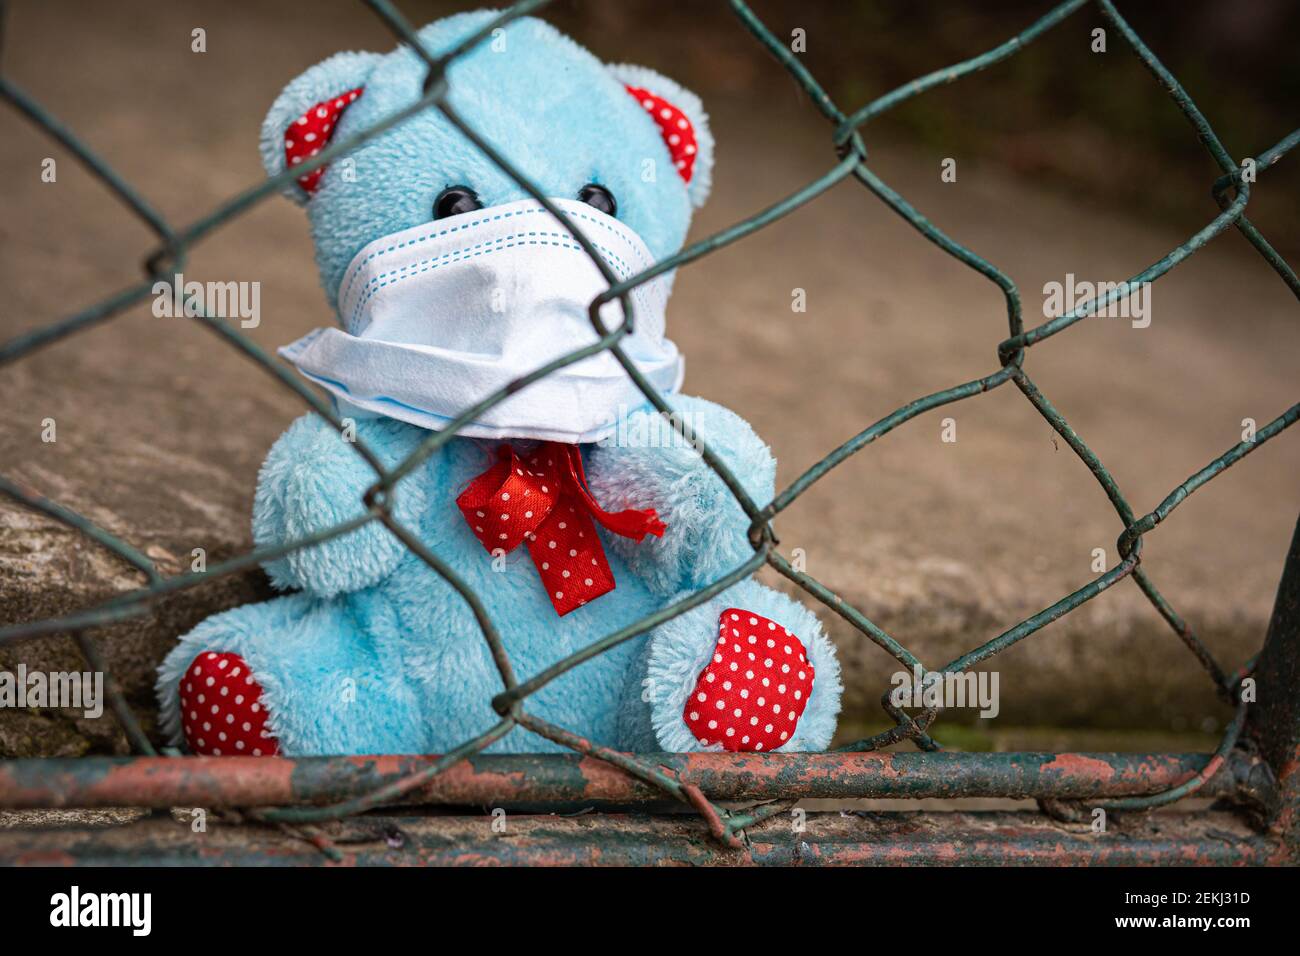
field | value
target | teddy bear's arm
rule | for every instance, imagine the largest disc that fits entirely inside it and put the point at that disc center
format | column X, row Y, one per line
column 313, row 479
column 646, row 464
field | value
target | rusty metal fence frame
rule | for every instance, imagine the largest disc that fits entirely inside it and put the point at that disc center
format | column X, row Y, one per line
column 1257, row 762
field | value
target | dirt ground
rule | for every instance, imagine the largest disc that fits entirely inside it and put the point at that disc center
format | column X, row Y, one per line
column 161, row 429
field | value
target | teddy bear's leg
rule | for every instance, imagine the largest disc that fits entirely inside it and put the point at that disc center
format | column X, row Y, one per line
column 749, row 670
column 295, row 675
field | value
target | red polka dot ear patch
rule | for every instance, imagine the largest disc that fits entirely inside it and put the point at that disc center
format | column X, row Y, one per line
column 310, row 133
column 674, row 126
column 753, row 692
column 222, row 712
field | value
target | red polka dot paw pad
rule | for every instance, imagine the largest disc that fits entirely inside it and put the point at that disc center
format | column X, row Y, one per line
column 222, row 712
column 753, row 692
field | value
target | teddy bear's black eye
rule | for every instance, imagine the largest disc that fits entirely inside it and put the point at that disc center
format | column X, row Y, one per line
column 455, row 200
column 598, row 197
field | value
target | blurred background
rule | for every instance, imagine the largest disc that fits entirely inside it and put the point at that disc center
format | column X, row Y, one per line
column 1096, row 126
column 1068, row 161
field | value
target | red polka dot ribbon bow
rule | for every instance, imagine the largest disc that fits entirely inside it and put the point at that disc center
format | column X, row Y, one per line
column 545, row 500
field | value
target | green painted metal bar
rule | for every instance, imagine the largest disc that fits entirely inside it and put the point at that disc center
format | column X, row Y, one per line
column 594, row 774
column 388, row 791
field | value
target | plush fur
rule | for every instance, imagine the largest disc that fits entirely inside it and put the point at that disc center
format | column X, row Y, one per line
column 376, row 652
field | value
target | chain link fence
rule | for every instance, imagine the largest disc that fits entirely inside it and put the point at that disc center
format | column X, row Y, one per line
column 1231, row 191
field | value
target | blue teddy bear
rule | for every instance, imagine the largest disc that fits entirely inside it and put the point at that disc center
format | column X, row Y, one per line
column 450, row 281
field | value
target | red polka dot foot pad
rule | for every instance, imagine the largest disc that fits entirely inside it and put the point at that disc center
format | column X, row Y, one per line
column 754, row 691
column 222, row 712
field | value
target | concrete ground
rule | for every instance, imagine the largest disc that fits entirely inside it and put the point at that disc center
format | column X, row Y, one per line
column 160, row 429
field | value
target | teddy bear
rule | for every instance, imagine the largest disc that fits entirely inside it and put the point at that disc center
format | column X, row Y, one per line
column 570, row 508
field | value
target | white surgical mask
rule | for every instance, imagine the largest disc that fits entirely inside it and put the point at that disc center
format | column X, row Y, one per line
column 440, row 316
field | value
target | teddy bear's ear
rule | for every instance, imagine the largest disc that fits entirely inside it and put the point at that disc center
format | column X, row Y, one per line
column 682, row 122
column 304, row 116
